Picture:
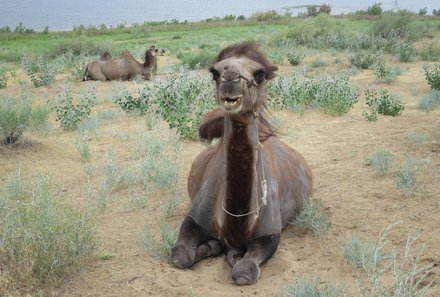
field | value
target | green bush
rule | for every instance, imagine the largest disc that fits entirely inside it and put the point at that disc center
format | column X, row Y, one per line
column 42, row 237
column 430, row 102
column 362, row 59
column 265, row 16
column 295, row 57
column 180, row 100
column 432, row 75
column 41, row 71
column 431, row 52
column 69, row 114
column 335, row 95
column 79, row 47
column 382, row 103
column 17, row 115
column 406, row 52
column 132, row 104
column 295, row 92
column 331, row 93
column 395, row 25
column 3, row 78
column 384, row 72
column 198, row 59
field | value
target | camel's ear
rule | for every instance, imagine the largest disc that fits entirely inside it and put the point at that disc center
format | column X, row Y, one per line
column 152, row 47
column 270, row 74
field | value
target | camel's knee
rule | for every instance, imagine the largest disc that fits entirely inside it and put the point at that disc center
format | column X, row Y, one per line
column 182, row 255
column 245, row 272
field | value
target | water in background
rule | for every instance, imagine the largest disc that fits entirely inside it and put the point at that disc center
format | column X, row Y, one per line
column 64, row 15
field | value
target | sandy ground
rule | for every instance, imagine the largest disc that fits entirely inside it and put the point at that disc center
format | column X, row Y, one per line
column 357, row 200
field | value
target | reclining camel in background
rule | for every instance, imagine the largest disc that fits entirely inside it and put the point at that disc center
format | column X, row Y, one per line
column 247, row 187
column 126, row 67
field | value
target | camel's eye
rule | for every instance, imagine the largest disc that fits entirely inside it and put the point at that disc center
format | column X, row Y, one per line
column 260, row 75
column 215, row 73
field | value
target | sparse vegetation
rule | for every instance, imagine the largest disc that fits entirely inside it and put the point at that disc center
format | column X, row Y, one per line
column 310, row 288
column 17, row 115
column 295, row 57
column 332, row 93
column 406, row 178
column 69, row 114
column 377, row 260
column 381, row 162
column 381, row 103
column 40, row 70
column 3, row 78
column 42, row 237
column 430, row 102
column 313, row 217
column 362, row 59
column 432, row 75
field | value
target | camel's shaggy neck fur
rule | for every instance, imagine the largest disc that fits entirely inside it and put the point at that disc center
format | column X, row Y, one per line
column 240, row 154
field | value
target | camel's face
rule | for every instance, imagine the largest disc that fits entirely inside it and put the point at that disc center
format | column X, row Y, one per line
column 241, row 84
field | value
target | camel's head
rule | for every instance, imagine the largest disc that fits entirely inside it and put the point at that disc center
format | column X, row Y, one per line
column 240, row 73
column 156, row 51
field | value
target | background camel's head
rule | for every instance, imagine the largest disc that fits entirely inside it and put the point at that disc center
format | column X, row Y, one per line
column 240, row 73
column 156, row 51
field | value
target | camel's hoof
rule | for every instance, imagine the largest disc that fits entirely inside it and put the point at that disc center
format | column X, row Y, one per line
column 245, row 272
column 182, row 256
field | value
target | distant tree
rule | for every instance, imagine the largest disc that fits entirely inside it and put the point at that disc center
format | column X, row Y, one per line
column 423, row 11
column 436, row 12
column 312, row 11
column 325, row 8
column 375, row 9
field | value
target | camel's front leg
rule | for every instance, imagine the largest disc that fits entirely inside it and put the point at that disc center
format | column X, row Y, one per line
column 247, row 270
column 193, row 245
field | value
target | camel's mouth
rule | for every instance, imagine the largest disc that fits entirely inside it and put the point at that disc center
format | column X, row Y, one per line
column 231, row 104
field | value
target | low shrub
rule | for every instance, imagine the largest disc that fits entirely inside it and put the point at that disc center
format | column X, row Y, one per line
column 3, row 78
column 390, row 26
column 430, row 102
column 331, row 93
column 381, row 162
column 180, row 100
column 265, row 16
column 335, row 95
column 432, row 75
column 431, row 52
column 17, row 115
column 362, row 59
column 40, row 70
column 406, row 179
column 312, row 217
column 197, row 59
column 384, row 72
column 295, row 92
column 42, row 238
column 310, row 288
column 390, row 271
column 406, row 52
column 79, row 47
column 69, row 114
column 382, row 103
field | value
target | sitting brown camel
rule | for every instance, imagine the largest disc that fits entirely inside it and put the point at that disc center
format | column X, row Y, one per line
column 126, row 67
column 247, row 187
